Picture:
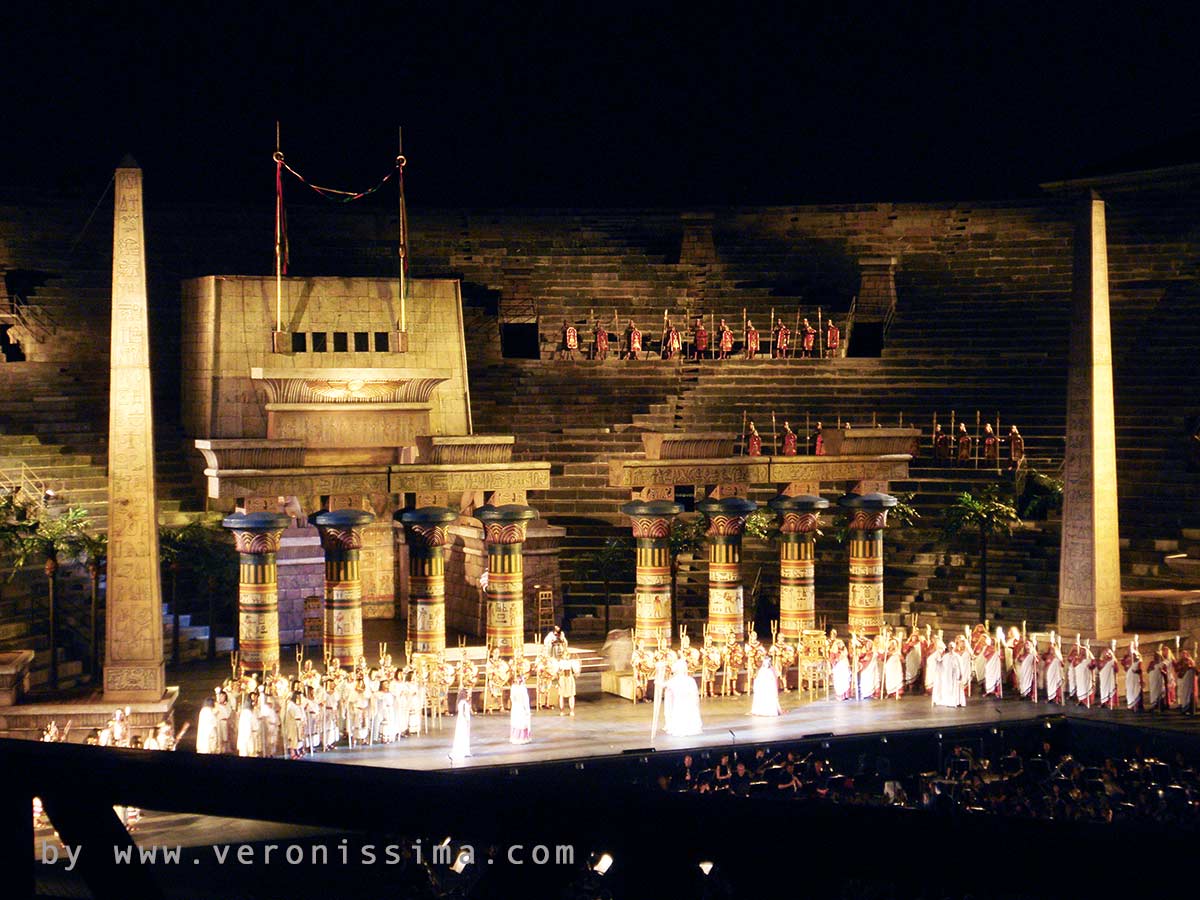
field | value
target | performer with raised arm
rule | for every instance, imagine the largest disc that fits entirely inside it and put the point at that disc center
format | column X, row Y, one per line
column 1025, row 668
column 724, row 341
column 1108, row 675
column 750, row 346
column 672, row 343
column 840, row 676
column 1132, row 664
column 913, row 651
column 993, row 664
column 780, row 339
column 1085, row 676
column 868, row 669
column 893, row 668
column 633, row 341
column 569, row 341
column 1185, row 674
column 1053, row 662
column 1156, row 681
column 934, row 645
column 952, row 674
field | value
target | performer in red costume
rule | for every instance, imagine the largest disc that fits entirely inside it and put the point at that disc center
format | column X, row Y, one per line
column 699, row 339
column 633, row 341
column 569, row 342
column 780, row 340
column 789, row 440
column 751, row 343
column 809, row 338
column 833, row 339
column 724, row 341
column 600, row 346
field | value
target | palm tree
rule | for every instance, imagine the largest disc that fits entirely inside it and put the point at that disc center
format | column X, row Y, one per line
column 92, row 550
column 47, row 537
column 987, row 514
column 608, row 564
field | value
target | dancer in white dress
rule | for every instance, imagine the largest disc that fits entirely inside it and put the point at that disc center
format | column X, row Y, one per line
column 682, row 702
column 953, row 673
column 461, row 747
column 206, row 728
column 520, row 723
column 766, row 692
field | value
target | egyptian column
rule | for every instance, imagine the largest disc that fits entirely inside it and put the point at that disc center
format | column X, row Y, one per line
column 504, row 534
column 425, row 537
column 256, row 538
column 799, row 519
column 1089, row 581
column 868, row 517
column 726, row 519
column 342, row 539
column 133, row 636
column 651, row 522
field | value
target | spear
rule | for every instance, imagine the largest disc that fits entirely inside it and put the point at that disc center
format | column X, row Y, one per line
column 712, row 332
column 774, row 334
column 774, row 433
column 997, row 444
column 976, row 453
column 743, row 430
column 795, row 334
column 745, row 343
column 820, row 333
column 807, row 433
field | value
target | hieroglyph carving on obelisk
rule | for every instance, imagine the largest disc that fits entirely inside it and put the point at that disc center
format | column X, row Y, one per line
column 133, row 669
column 1089, row 586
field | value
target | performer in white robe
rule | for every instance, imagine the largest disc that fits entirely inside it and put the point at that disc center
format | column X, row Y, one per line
column 1085, row 676
column 953, row 671
column 1156, row 684
column 247, row 731
column 461, row 748
column 993, row 666
column 682, row 702
column 893, row 670
column 839, row 670
column 1053, row 663
column 1132, row 664
column 1108, row 675
column 766, row 692
column 1026, row 669
column 914, row 660
column 520, row 721
column 1185, row 674
column 933, row 652
column 868, row 671
column 206, row 728
column 416, row 704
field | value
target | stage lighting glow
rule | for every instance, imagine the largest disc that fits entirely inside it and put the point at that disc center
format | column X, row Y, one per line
column 445, row 841
column 461, row 862
column 603, row 864
column 706, row 867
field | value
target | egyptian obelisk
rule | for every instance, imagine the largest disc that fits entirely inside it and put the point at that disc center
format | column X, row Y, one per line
column 133, row 665
column 1089, row 581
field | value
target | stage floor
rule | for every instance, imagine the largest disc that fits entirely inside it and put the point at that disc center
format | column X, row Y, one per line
column 608, row 725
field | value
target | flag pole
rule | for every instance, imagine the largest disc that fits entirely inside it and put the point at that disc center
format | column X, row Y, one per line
column 278, row 232
column 400, row 161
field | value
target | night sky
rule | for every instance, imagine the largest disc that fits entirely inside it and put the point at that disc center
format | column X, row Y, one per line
column 524, row 105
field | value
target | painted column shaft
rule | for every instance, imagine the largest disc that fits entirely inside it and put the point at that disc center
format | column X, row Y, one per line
column 866, row 581
column 797, row 595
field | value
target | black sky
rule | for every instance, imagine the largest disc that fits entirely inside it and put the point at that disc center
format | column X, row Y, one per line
column 522, row 104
